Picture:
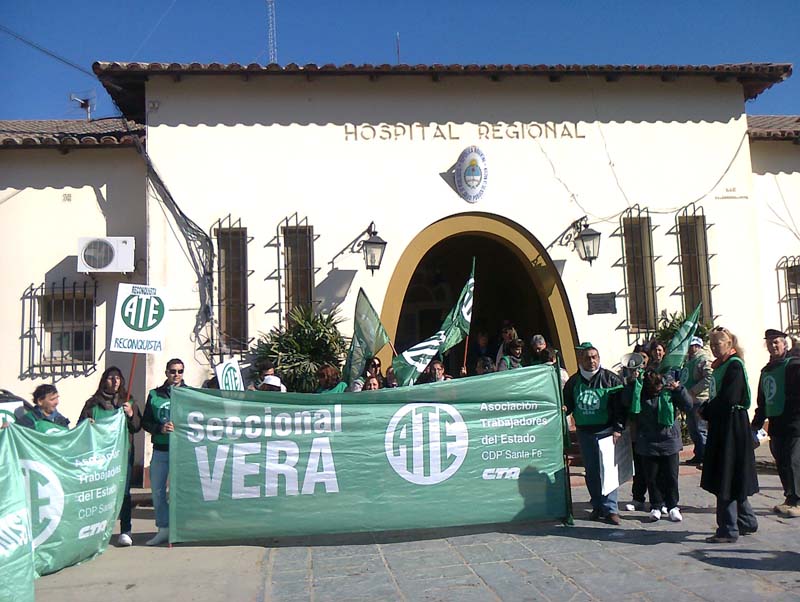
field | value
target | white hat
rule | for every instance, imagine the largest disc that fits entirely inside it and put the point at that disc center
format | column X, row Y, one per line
column 271, row 379
column 696, row 341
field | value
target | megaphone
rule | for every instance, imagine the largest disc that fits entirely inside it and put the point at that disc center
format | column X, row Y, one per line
column 632, row 361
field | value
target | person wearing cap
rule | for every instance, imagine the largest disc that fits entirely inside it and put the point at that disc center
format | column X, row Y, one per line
column 696, row 377
column 778, row 402
column 272, row 383
column 514, row 358
column 593, row 395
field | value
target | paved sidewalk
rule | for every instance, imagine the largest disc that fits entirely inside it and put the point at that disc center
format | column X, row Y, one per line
column 638, row 561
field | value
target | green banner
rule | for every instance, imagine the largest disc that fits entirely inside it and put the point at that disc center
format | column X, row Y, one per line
column 413, row 361
column 476, row 450
column 75, row 481
column 369, row 337
column 16, row 543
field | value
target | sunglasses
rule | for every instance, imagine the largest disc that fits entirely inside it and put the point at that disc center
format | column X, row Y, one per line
column 176, row 371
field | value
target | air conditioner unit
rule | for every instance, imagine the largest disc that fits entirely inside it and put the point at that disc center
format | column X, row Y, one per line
column 106, row 254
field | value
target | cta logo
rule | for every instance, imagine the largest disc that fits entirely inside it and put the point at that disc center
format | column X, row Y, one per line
column 92, row 530
column 493, row 474
column 426, row 443
column 47, row 499
column 231, row 380
column 142, row 312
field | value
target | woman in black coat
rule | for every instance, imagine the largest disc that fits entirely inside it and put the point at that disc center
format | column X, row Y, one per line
column 729, row 465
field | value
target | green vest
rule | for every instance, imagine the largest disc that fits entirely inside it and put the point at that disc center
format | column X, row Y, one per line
column 687, row 373
column 719, row 374
column 340, row 388
column 666, row 411
column 591, row 405
column 45, row 426
column 773, row 387
column 160, row 406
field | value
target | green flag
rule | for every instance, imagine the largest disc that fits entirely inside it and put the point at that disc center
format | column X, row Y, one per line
column 413, row 361
column 485, row 449
column 75, row 481
column 16, row 542
column 369, row 337
column 679, row 345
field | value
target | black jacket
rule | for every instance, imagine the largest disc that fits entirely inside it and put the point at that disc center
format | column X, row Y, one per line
column 617, row 413
column 729, row 463
column 654, row 439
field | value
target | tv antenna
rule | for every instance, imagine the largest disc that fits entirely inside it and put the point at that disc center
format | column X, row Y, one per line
column 86, row 102
column 272, row 34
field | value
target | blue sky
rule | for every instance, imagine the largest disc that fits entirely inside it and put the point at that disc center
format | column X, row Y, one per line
column 446, row 31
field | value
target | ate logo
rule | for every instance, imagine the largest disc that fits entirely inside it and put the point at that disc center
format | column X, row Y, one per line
column 162, row 412
column 588, row 401
column 770, row 387
column 47, row 499
column 231, row 381
column 142, row 312
column 426, row 443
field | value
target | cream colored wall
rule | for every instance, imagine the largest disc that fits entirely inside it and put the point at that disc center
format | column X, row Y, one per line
column 39, row 231
column 265, row 148
column 776, row 189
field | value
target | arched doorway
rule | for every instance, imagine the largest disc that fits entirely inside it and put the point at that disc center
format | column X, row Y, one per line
column 515, row 280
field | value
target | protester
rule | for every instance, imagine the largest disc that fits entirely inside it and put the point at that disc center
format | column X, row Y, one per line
column 514, row 358
column 372, row 384
column 272, row 383
column 593, row 394
column 437, row 372
column 779, row 403
column 479, row 347
column 156, row 421
column 658, row 443
column 638, row 483
column 111, row 395
column 507, row 334
column 697, row 380
column 390, row 381
column 265, row 368
column 656, row 352
column 549, row 357
column 729, row 465
column 538, row 343
column 44, row 416
column 484, row 365
column 371, row 368
column 330, row 380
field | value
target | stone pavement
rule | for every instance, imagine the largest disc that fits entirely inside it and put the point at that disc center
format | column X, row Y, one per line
column 638, row 561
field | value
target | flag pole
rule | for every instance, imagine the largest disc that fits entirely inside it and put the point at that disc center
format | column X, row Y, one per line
column 130, row 378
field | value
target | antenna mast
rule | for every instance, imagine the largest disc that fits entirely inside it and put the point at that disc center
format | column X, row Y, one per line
column 272, row 36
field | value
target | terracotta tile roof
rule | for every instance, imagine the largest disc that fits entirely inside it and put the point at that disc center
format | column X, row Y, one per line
column 125, row 81
column 70, row 133
column 774, row 127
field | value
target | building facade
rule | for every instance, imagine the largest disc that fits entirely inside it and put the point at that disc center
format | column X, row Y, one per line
column 253, row 185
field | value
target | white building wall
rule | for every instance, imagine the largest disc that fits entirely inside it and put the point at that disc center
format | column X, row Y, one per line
column 266, row 148
column 47, row 201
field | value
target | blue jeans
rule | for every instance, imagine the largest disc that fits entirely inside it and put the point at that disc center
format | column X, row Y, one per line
column 735, row 517
column 698, row 431
column 605, row 504
column 159, row 471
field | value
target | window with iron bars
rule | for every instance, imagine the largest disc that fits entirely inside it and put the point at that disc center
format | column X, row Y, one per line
column 788, row 272
column 232, row 293
column 691, row 228
column 639, row 270
column 298, row 244
column 59, row 329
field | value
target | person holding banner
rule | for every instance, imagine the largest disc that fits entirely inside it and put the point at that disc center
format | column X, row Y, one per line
column 330, row 380
column 44, row 416
column 593, row 396
column 111, row 396
column 729, row 466
column 779, row 403
column 156, row 421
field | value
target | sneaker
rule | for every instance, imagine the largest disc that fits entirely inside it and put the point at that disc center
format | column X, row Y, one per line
column 161, row 537
column 613, row 519
column 124, row 540
column 675, row 515
column 635, row 506
column 664, row 510
column 595, row 515
column 655, row 515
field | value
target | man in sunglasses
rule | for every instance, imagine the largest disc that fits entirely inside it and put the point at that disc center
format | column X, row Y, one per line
column 156, row 421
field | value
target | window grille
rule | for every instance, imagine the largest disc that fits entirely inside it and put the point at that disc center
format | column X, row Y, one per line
column 59, row 324
column 788, row 272
column 232, row 288
column 638, row 263
column 693, row 258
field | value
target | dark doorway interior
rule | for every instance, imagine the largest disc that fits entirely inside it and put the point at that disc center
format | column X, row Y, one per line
column 503, row 291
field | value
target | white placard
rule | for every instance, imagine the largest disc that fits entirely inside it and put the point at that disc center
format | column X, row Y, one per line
column 616, row 462
column 229, row 376
column 139, row 319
